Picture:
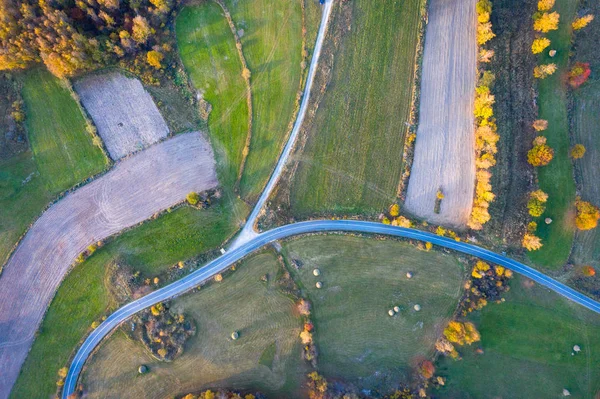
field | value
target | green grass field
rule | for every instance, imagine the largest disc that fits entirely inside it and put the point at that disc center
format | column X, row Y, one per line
column 362, row 279
column 556, row 179
column 83, row 296
column 353, row 158
column 266, row 356
column 271, row 40
column 207, row 49
column 62, row 155
column 527, row 343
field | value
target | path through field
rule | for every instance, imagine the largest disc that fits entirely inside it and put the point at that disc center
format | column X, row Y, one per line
column 132, row 192
column 444, row 150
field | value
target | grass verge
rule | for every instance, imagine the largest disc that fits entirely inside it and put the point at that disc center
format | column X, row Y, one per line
column 83, row 297
column 556, row 179
column 262, row 314
column 352, row 160
column 528, row 343
column 62, row 155
column 362, row 279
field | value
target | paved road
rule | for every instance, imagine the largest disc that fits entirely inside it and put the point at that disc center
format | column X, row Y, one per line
column 220, row 264
column 248, row 231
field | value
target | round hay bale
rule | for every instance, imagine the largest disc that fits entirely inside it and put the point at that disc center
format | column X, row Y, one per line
column 408, row 275
column 143, row 369
column 235, row 335
column 391, row 312
column 396, row 309
column 566, row 392
column 316, row 272
column 319, row 284
column 552, row 53
column 548, row 220
column 417, row 307
column 577, row 348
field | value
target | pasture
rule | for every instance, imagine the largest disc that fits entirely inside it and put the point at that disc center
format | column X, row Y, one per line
column 363, row 278
column 265, row 357
column 527, row 345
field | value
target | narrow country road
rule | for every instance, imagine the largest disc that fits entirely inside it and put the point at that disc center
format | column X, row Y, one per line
column 220, row 264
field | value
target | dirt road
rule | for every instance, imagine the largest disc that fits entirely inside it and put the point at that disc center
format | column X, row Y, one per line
column 133, row 191
column 444, row 150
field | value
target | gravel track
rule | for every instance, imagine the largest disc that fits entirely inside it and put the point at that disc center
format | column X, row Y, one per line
column 124, row 113
column 132, row 192
column 444, row 149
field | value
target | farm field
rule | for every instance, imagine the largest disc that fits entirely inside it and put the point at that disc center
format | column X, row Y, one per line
column 260, row 311
column 271, row 36
column 444, row 157
column 352, row 159
column 362, row 279
column 62, row 155
column 207, row 49
column 527, row 343
column 83, row 296
column 124, row 113
column 556, row 179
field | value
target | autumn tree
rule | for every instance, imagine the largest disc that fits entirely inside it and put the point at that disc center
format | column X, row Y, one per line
column 531, row 242
column 540, row 125
column 394, row 210
column 578, row 151
column 536, row 203
column 587, row 215
column 461, row 333
column 543, row 71
column 155, row 58
column 588, row 271
column 140, row 31
column 579, row 74
column 545, row 5
column 545, row 22
column 426, row 369
column 580, row 23
column 484, row 33
column 539, row 45
column 541, row 154
column 192, row 198
column 485, row 55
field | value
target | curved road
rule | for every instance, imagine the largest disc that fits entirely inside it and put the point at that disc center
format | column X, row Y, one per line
column 220, row 264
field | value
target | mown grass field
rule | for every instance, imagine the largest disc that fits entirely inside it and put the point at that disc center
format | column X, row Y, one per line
column 266, row 356
column 271, row 36
column 83, row 296
column 352, row 160
column 207, row 49
column 527, row 343
column 62, row 155
column 362, row 279
column 556, row 179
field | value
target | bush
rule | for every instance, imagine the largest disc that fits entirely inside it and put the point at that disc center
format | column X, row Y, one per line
column 579, row 74
column 193, row 198
column 540, row 45
column 578, row 151
column 587, row 215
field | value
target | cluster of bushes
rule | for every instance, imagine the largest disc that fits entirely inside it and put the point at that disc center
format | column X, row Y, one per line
column 309, row 349
column 221, row 394
column 89, row 251
column 162, row 332
column 204, row 199
column 486, row 136
column 459, row 333
column 486, row 284
column 319, row 388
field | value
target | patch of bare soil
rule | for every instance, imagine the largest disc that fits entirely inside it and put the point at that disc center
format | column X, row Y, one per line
column 444, row 150
column 124, row 113
column 132, row 192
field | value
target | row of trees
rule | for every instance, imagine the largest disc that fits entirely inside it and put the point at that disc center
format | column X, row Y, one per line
column 70, row 37
column 486, row 136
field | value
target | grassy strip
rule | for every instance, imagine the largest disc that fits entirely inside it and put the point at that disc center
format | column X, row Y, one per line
column 208, row 52
column 265, row 357
column 271, row 33
column 527, row 343
column 62, row 156
column 556, row 179
column 83, row 297
column 362, row 279
column 353, row 158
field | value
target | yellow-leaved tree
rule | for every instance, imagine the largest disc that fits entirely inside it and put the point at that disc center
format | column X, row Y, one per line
column 539, row 45
column 545, row 22
column 580, row 23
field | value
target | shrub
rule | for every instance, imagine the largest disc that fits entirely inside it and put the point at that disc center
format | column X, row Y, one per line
column 578, row 151
column 545, row 22
column 193, row 198
column 587, row 215
column 580, row 23
column 246, row 73
column 485, row 55
column 540, row 45
column 426, row 369
column 531, row 242
column 540, row 155
column 394, row 210
column 545, row 5
column 402, row 222
column 588, row 271
column 219, row 278
column 579, row 74
column 540, row 125
column 543, row 71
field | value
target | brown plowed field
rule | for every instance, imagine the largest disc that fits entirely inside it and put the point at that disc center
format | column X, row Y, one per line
column 133, row 191
column 444, row 150
column 123, row 111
